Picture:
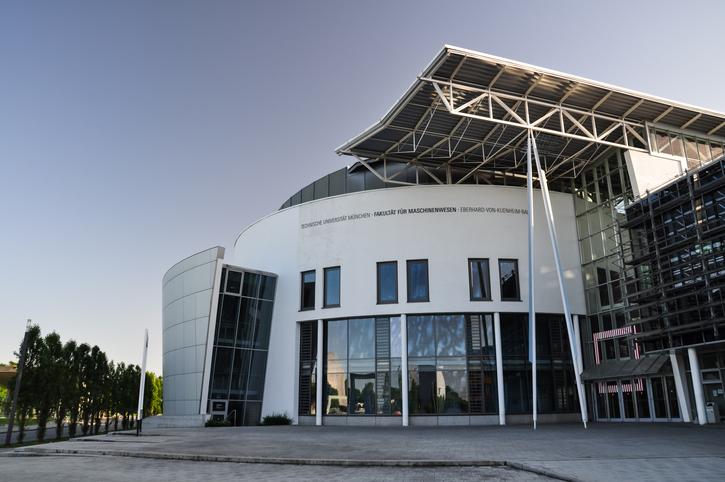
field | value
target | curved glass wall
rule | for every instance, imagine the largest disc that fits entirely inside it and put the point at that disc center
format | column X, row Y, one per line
column 451, row 365
column 359, row 178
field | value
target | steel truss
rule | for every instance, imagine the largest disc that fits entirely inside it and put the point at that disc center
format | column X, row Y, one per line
column 540, row 116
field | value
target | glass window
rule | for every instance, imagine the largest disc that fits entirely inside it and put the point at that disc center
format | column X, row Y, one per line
column 639, row 386
column 332, row 287
column 417, row 279
column 268, row 285
column 307, row 301
column 421, row 340
column 262, row 324
column 479, row 280
column 422, row 390
column 658, row 398
column 245, row 327
column 336, row 346
column 361, row 338
column 336, row 394
column 451, row 392
column 250, row 286
column 388, row 282
column 509, row 275
column 234, row 281
column 362, row 393
column 227, row 320
column 450, row 335
column 221, row 374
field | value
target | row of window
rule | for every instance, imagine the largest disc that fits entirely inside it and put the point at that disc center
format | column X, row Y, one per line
column 451, row 365
column 479, row 282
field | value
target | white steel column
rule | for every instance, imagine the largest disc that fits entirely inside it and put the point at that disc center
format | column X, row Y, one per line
column 683, row 400
column 577, row 335
column 499, row 369
column 319, row 373
column 697, row 386
column 560, row 276
column 532, row 312
column 404, row 366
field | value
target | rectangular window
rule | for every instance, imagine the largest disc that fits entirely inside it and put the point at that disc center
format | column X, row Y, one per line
column 332, row 287
column 307, row 298
column 479, row 280
column 417, row 278
column 509, row 274
column 387, row 282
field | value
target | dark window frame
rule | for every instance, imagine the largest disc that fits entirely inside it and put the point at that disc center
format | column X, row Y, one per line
column 518, row 279
column 407, row 281
column 302, row 290
column 324, row 286
column 470, row 279
column 377, row 279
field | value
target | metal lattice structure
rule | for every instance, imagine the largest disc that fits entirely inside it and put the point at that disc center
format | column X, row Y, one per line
column 470, row 110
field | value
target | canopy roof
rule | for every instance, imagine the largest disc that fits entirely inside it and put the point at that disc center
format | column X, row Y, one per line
column 472, row 109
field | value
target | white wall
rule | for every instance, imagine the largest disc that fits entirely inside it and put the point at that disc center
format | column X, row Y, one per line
column 278, row 244
column 187, row 303
column 648, row 172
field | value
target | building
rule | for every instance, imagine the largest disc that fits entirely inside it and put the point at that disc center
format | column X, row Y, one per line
column 399, row 290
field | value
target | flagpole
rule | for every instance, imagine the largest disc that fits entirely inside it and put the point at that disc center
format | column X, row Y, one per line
column 142, row 383
column 532, row 312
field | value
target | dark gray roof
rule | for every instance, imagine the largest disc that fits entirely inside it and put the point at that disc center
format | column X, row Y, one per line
column 648, row 365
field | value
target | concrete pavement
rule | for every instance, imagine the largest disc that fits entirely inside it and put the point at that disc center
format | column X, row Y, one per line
column 602, row 452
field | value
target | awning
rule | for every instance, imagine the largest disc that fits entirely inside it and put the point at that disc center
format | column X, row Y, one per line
column 470, row 109
column 648, row 365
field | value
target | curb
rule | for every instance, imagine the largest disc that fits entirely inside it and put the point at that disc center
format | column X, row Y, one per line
column 38, row 451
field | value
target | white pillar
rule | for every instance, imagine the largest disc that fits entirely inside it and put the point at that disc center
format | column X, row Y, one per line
column 560, row 275
column 499, row 369
column 697, row 386
column 404, row 367
column 683, row 400
column 320, row 372
column 577, row 335
column 532, row 308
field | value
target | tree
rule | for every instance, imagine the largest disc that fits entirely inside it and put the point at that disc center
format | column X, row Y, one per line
column 76, row 386
column 67, row 389
column 49, row 380
column 30, row 383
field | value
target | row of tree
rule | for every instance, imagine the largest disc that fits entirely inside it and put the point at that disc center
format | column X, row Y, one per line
column 76, row 384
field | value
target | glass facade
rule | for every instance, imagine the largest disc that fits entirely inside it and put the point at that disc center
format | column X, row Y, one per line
column 678, row 255
column 239, row 360
column 451, row 365
column 362, row 369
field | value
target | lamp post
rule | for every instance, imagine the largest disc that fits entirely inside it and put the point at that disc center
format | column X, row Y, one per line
column 18, row 377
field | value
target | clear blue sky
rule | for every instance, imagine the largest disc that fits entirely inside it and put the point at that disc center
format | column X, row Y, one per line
column 135, row 133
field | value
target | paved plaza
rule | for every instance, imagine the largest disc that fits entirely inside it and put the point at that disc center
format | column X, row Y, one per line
column 568, row 452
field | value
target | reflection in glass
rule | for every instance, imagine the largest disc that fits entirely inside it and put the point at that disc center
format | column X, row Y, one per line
column 250, row 286
column 362, row 338
column 227, row 320
column 421, row 341
column 451, row 392
column 417, row 280
column 234, row 281
column 450, row 335
column 509, row 274
column 337, row 346
column 396, row 340
column 307, row 301
column 332, row 287
column 388, row 282
column 640, row 386
column 480, row 286
column 362, row 394
column 336, row 394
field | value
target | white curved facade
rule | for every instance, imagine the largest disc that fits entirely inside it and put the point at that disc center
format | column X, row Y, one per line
column 356, row 231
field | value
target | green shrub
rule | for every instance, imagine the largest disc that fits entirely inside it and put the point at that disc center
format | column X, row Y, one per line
column 217, row 423
column 277, row 419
